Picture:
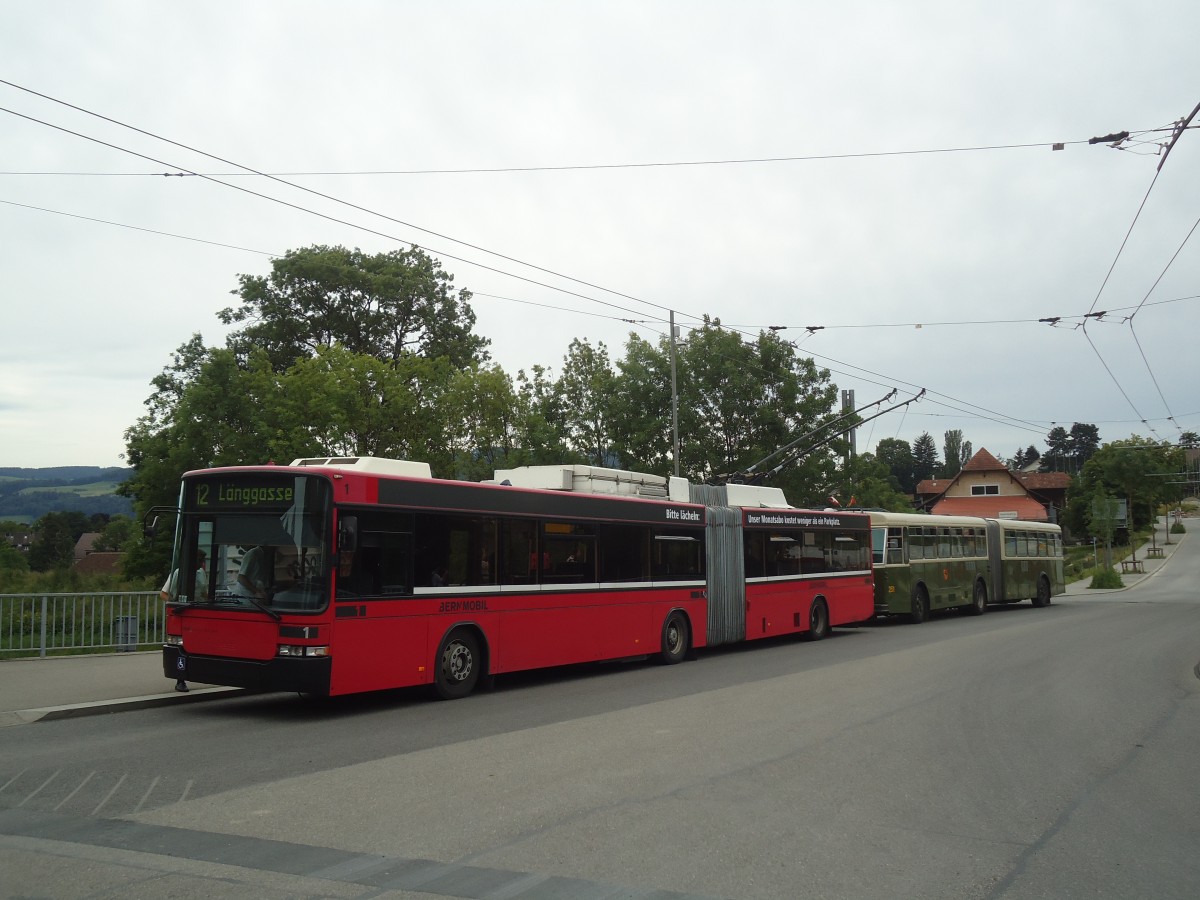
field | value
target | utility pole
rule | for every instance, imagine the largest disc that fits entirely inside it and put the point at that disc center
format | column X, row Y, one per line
column 674, row 400
column 848, row 406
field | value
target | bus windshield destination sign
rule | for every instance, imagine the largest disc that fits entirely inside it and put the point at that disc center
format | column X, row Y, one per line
column 244, row 494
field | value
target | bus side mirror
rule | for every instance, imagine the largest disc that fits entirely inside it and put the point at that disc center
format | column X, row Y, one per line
column 150, row 522
column 348, row 534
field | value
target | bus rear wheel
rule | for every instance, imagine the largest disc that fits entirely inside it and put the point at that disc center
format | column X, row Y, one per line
column 919, row 611
column 1043, row 592
column 676, row 636
column 457, row 666
column 979, row 601
column 818, row 621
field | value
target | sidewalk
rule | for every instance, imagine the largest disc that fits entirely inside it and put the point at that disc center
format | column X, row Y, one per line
column 1131, row 579
column 59, row 687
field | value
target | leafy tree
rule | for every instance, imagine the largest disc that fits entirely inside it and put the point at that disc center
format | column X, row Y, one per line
column 1085, row 441
column 1058, row 442
column 738, row 402
column 868, row 483
column 586, row 389
column 12, row 559
column 925, row 458
column 341, row 352
column 54, row 544
column 482, row 403
column 1133, row 469
column 388, row 305
column 1189, row 440
column 897, row 455
column 116, row 534
column 541, row 421
column 953, row 453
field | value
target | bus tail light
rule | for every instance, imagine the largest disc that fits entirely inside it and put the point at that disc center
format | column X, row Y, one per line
column 299, row 650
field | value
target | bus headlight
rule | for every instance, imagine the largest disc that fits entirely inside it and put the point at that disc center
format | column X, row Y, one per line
column 174, row 640
column 300, row 650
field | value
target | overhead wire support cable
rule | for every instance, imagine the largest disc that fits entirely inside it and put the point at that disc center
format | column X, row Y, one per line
column 580, row 167
column 326, row 216
column 253, row 171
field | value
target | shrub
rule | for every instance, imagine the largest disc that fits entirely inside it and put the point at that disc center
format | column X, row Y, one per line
column 1178, row 528
column 1106, row 579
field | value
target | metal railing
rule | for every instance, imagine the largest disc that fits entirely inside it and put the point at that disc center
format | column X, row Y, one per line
column 39, row 624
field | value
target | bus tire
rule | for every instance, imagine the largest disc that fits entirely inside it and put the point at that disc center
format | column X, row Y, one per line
column 979, row 600
column 676, row 638
column 818, row 621
column 1043, row 592
column 919, row 610
column 457, row 667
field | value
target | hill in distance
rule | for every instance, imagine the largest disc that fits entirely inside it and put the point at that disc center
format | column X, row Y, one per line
column 27, row 494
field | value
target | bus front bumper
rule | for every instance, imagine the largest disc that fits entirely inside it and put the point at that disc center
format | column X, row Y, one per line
column 302, row 675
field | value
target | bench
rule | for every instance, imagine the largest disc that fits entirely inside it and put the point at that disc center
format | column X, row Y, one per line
column 1132, row 565
column 1154, row 553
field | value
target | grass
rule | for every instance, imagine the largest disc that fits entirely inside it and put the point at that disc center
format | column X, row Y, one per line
column 95, row 489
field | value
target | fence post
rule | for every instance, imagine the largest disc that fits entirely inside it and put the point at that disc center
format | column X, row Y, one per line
column 45, row 606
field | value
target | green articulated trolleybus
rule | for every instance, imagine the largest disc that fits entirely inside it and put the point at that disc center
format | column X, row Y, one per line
column 924, row 563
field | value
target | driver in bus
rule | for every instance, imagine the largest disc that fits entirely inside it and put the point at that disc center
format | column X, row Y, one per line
column 253, row 575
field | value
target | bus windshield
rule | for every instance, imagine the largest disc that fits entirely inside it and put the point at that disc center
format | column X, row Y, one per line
column 255, row 540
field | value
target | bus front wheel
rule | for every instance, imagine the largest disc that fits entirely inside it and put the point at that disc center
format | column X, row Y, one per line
column 457, row 668
column 675, row 638
column 919, row 611
column 1043, row 592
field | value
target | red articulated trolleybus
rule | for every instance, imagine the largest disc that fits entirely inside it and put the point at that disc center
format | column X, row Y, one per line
column 334, row 576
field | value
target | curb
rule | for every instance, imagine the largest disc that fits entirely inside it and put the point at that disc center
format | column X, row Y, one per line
column 103, row 707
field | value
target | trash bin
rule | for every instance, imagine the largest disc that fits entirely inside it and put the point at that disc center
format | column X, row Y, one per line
column 126, row 630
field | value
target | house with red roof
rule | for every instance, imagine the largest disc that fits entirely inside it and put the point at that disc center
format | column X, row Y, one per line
column 988, row 488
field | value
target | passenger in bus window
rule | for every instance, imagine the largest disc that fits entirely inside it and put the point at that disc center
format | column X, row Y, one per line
column 438, row 578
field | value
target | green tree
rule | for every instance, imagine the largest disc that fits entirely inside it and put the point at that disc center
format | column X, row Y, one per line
column 540, row 420
column 897, row 455
column 867, row 483
column 116, row 534
column 341, row 352
column 586, row 389
column 12, row 559
column 1135, row 470
column 956, row 452
column 1189, row 440
column 53, row 546
column 1085, row 441
column 925, row 458
column 483, row 404
column 387, row 305
column 738, row 402
column 1058, row 453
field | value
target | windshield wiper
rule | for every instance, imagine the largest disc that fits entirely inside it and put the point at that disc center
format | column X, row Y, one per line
column 270, row 612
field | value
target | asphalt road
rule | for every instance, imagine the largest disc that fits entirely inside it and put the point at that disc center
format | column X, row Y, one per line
column 1030, row 753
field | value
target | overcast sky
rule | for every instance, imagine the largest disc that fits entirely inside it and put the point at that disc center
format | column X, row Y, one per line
column 925, row 269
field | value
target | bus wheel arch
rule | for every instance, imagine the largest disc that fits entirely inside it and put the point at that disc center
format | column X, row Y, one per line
column 979, row 598
column 919, row 608
column 461, row 662
column 676, row 637
column 1042, row 597
column 819, row 625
